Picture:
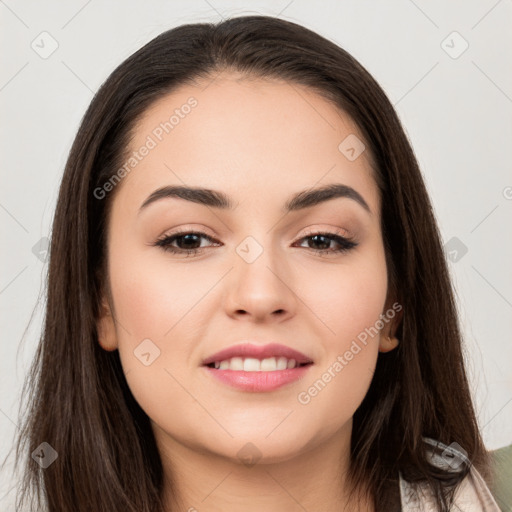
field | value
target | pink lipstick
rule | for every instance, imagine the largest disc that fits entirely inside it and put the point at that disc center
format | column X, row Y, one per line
column 257, row 368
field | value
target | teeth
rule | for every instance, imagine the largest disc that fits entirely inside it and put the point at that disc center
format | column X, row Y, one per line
column 236, row 363
column 250, row 364
column 282, row 363
column 269, row 365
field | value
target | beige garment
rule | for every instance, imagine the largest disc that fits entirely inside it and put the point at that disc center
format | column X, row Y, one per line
column 472, row 495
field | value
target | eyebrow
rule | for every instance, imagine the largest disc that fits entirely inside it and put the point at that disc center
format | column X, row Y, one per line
column 216, row 199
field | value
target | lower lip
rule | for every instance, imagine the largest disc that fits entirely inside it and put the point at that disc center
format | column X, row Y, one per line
column 259, row 381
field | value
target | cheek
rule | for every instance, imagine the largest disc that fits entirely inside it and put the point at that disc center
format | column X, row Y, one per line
column 158, row 305
column 347, row 299
column 349, row 302
column 153, row 297
column 154, row 306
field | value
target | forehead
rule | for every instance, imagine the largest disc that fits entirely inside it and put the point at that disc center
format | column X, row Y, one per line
column 253, row 138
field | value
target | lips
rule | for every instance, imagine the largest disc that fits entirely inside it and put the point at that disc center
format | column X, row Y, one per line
column 265, row 368
column 250, row 350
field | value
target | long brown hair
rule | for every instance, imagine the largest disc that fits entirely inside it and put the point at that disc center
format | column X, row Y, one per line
column 78, row 398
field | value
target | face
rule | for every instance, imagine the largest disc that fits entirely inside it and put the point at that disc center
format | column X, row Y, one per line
column 312, row 278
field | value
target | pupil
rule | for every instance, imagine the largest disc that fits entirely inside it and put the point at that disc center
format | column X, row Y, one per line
column 189, row 240
column 316, row 237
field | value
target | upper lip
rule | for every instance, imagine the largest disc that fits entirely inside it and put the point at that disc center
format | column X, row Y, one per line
column 258, row 352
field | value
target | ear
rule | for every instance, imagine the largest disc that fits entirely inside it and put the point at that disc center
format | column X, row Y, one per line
column 388, row 340
column 387, row 343
column 105, row 327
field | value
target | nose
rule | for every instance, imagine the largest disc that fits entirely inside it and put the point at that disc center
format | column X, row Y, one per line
column 261, row 289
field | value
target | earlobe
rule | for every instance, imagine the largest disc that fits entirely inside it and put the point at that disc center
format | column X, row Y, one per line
column 388, row 343
column 105, row 327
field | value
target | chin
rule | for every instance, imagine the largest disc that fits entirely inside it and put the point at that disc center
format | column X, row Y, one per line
column 252, row 446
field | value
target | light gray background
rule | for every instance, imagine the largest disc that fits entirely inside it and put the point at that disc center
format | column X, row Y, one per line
column 456, row 111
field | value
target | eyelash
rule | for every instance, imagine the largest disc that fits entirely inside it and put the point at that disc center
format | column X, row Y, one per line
column 346, row 244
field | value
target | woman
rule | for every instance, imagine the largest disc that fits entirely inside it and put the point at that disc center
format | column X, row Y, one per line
column 248, row 302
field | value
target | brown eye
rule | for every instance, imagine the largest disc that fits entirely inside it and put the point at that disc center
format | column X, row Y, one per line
column 188, row 242
column 324, row 240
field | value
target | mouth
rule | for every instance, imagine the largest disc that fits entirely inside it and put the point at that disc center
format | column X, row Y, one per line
column 251, row 364
column 257, row 368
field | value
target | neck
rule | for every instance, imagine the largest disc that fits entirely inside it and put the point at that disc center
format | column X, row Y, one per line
column 315, row 479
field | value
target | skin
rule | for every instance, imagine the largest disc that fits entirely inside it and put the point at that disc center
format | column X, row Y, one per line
column 259, row 141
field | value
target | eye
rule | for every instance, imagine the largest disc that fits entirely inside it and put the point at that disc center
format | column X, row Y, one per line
column 325, row 239
column 189, row 242
column 188, row 239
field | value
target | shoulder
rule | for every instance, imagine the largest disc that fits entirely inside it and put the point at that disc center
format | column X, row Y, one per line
column 472, row 494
